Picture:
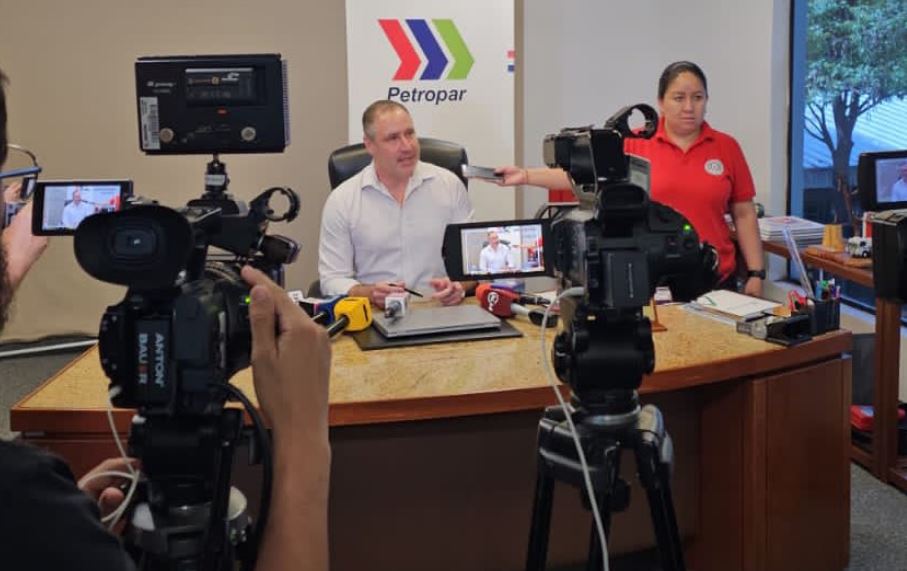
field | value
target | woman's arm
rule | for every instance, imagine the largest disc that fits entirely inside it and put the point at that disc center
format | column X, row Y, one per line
column 744, row 215
column 544, row 177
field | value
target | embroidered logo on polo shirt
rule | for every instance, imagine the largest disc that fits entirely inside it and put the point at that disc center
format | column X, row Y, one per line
column 714, row 167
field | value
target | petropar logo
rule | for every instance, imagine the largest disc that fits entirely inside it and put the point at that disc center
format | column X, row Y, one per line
column 435, row 60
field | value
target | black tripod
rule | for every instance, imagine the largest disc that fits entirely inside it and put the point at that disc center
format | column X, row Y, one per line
column 593, row 357
column 190, row 519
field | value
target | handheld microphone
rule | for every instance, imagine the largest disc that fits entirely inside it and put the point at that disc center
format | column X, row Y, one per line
column 350, row 314
column 320, row 310
column 395, row 305
column 503, row 303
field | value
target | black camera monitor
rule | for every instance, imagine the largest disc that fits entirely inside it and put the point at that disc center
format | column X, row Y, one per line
column 504, row 249
column 882, row 180
column 60, row 205
column 212, row 104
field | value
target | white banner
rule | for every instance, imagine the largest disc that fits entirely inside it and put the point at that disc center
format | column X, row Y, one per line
column 451, row 64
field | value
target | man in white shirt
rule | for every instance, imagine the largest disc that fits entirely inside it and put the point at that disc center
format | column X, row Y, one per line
column 899, row 188
column 76, row 211
column 382, row 229
column 495, row 256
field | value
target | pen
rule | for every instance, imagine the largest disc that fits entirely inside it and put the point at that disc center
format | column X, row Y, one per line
column 407, row 290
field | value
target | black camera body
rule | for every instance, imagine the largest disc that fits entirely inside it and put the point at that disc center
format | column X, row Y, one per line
column 183, row 326
column 618, row 246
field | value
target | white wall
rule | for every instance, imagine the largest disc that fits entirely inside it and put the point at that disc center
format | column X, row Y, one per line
column 584, row 59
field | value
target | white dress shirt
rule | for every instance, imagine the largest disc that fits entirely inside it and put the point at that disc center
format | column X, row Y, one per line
column 368, row 237
column 494, row 260
column 74, row 213
column 898, row 191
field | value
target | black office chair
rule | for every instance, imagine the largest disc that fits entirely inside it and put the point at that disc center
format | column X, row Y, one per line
column 347, row 161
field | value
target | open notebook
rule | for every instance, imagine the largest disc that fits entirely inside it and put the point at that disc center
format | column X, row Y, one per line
column 734, row 305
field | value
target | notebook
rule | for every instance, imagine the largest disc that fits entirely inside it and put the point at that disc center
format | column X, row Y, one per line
column 431, row 320
column 734, row 305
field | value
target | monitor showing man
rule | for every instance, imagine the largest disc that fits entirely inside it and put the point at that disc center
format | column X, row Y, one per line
column 898, row 192
column 382, row 229
column 495, row 256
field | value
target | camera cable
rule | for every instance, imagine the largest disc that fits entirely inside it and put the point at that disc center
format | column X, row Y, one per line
column 267, row 466
column 552, row 380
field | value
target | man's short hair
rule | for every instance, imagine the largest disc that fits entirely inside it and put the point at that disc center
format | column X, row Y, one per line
column 372, row 111
column 3, row 137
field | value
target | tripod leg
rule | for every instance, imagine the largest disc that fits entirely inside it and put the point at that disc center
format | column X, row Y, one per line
column 540, row 528
column 605, row 499
column 654, row 457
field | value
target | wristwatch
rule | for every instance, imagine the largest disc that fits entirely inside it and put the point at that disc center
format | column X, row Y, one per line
column 756, row 274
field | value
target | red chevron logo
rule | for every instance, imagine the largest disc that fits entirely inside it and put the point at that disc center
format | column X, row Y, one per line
column 409, row 59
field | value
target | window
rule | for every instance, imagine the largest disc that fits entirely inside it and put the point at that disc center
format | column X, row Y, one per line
column 848, row 96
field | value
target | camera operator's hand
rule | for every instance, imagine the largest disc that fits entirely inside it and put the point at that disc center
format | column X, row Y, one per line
column 22, row 247
column 377, row 293
column 291, row 361
column 103, row 487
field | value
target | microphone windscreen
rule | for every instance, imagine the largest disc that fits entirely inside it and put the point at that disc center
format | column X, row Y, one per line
column 327, row 306
column 499, row 302
column 482, row 293
column 357, row 309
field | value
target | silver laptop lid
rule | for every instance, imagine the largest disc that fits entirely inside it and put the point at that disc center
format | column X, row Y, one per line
column 429, row 320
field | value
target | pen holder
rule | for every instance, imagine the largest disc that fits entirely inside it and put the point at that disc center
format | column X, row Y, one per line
column 824, row 315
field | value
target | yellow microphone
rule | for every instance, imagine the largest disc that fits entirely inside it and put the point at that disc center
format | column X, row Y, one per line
column 351, row 314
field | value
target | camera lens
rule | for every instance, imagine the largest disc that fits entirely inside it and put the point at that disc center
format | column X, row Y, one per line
column 133, row 243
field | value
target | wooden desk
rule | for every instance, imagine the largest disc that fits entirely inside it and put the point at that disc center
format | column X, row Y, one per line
column 882, row 460
column 434, row 450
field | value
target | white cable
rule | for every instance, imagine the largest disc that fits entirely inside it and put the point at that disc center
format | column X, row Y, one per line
column 133, row 478
column 114, row 516
column 111, row 394
column 552, row 380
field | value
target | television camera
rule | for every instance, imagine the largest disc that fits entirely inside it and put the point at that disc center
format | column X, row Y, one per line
column 182, row 329
column 609, row 253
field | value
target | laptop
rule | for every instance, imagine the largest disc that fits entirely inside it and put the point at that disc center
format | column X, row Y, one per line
column 432, row 320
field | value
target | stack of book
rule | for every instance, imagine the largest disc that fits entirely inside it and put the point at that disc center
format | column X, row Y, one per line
column 804, row 231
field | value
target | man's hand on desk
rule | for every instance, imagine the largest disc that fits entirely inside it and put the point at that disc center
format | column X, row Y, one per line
column 447, row 292
column 377, row 293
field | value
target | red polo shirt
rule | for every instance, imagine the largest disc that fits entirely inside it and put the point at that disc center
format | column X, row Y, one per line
column 700, row 183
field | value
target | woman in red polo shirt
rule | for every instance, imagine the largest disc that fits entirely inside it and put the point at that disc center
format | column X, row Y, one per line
column 698, row 171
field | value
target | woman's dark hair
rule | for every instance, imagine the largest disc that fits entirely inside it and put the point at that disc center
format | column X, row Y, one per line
column 3, row 139
column 672, row 71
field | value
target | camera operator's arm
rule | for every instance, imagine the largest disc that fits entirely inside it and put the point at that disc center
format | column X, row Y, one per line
column 22, row 247
column 291, row 369
column 544, row 177
column 747, row 224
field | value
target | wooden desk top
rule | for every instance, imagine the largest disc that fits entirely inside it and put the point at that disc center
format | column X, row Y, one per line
column 449, row 380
